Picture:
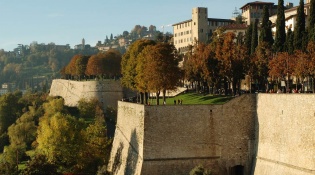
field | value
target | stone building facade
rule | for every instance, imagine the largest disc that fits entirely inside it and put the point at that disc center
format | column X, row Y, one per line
column 199, row 28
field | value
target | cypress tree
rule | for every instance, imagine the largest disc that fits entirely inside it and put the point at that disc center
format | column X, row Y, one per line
column 311, row 20
column 265, row 31
column 289, row 42
column 299, row 27
column 280, row 28
column 248, row 38
column 254, row 42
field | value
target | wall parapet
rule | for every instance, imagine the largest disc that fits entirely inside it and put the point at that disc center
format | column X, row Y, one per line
column 107, row 92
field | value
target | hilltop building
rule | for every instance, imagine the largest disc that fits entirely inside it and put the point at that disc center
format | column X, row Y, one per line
column 290, row 16
column 254, row 11
column 199, row 28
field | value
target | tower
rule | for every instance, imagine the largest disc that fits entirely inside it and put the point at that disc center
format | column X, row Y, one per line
column 200, row 24
column 83, row 43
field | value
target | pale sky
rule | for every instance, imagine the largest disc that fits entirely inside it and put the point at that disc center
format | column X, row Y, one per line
column 68, row 21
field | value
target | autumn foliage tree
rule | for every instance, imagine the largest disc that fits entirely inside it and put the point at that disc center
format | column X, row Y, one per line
column 129, row 63
column 157, row 69
column 232, row 60
column 281, row 66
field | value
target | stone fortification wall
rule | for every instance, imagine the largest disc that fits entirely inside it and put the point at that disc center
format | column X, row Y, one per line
column 286, row 134
column 173, row 139
column 106, row 91
column 127, row 149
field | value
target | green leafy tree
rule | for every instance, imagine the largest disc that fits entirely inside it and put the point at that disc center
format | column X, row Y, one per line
column 254, row 41
column 311, row 21
column 280, row 28
column 260, row 62
column 60, row 140
column 299, row 27
column 39, row 165
column 265, row 30
column 23, row 132
column 96, row 150
column 10, row 110
column 289, row 42
column 89, row 108
column 248, row 38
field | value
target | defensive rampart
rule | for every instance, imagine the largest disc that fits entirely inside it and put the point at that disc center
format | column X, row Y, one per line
column 106, row 91
column 286, row 134
column 172, row 139
column 252, row 134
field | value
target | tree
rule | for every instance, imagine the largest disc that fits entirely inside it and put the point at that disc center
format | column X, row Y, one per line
column 248, row 39
column 39, row 165
column 71, row 67
column 80, row 65
column 95, row 65
column 280, row 28
column 281, row 66
column 60, row 140
column 299, row 27
column 23, row 132
column 254, row 41
column 88, row 108
column 10, row 109
column 96, row 150
column 157, row 70
column 311, row 21
column 302, row 66
column 111, row 62
column 232, row 61
column 265, row 31
column 260, row 62
column 125, row 34
column 289, row 42
column 129, row 63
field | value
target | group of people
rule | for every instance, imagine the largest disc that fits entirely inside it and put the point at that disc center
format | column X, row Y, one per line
column 288, row 91
column 179, row 102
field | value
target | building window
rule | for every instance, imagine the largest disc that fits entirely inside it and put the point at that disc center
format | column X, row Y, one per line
column 181, row 34
column 201, row 30
column 185, row 24
column 194, row 23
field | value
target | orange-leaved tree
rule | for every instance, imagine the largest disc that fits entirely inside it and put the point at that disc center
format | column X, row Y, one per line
column 158, row 70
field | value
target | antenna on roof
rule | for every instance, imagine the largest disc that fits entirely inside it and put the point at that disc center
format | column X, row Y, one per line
column 235, row 13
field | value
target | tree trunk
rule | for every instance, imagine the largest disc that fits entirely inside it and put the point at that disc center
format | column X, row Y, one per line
column 146, row 96
column 164, row 95
column 158, row 98
column 141, row 97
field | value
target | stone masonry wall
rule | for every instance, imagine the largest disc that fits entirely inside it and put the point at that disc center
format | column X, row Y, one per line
column 174, row 139
column 127, row 149
column 286, row 134
column 106, row 91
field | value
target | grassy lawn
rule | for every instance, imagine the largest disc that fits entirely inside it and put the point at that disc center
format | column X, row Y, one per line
column 194, row 98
